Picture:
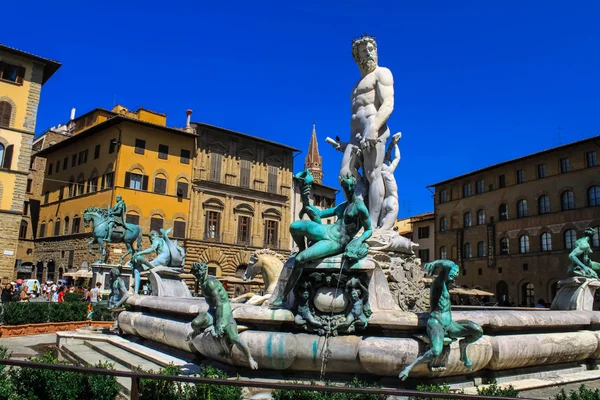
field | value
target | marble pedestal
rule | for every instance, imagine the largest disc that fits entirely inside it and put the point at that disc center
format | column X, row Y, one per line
column 167, row 282
column 576, row 294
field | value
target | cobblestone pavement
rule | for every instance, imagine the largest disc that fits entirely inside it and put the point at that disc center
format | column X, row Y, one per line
column 551, row 391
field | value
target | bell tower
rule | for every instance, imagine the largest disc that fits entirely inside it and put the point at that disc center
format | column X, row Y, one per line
column 313, row 161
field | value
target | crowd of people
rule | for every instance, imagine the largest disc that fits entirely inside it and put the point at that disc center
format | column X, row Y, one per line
column 50, row 291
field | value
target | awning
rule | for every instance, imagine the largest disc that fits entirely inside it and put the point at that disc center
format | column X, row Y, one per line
column 69, row 274
column 470, row 292
column 82, row 273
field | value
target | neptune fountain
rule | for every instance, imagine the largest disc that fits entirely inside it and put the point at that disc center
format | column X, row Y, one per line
column 352, row 298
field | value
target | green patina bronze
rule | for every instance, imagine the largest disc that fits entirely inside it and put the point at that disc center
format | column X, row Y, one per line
column 110, row 227
column 581, row 264
column 327, row 240
column 441, row 329
column 218, row 321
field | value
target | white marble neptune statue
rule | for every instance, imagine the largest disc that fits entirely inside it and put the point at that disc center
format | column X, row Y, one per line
column 372, row 103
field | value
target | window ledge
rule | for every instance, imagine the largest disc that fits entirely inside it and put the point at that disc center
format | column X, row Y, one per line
column 11, row 82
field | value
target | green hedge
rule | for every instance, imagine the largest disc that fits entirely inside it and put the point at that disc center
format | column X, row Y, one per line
column 284, row 394
column 41, row 312
column 73, row 297
column 45, row 384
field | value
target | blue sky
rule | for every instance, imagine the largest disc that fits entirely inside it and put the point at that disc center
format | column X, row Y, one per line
column 477, row 82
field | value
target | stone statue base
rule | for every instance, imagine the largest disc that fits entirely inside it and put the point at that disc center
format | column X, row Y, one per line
column 167, row 282
column 576, row 294
column 406, row 280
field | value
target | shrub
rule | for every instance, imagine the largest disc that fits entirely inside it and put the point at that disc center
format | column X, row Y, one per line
column 153, row 389
column 495, row 390
column 65, row 312
column 100, row 312
column 433, row 389
column 46, row 384
column 73, row 297
column 25, row 313
column 583, row 393
column 214, row 392
column 41, row 312
column 282, row 394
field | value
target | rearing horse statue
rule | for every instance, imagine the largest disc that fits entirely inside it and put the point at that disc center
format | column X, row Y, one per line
column 99, row 217
column 269, row 264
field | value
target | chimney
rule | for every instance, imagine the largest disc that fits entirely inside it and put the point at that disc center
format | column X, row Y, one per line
column 72, row 113
column 188, row 126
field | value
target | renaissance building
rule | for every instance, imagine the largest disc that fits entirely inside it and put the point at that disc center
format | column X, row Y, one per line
column 22, row 76
column 511, row 226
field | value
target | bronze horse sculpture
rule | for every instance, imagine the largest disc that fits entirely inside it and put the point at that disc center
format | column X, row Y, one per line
column 99, row 217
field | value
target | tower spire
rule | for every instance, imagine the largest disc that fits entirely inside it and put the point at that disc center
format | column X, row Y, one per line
column 313, row 161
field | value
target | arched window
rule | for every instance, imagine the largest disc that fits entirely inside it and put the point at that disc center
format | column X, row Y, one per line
column 453, row 252
column 570, row 238
column 443, row 223
column 546, row 241
column 80, row 186
column 528, row 294
column 567, row 200
column 23, row 230
column 596, row 237
column 467, row 252
column 156, row 222
column 522, row 208
column 481, row 249
column 504, row 243
column 66, row 229
column 1, row 154
column 594, row 196
column 132, row 218
column 160, row 184
column 503, row 212
column 480, row 217
column 5, row 113
column 524, row 244
column 467, row 220
column 179, row 228
column 57, row 227
column 443, row 252
column 543, row 204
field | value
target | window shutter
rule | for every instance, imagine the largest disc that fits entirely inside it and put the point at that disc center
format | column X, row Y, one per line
column 127, row 179
column 144, row 182
column 178, row 229
column 8, row 153
column 5, row 113
column 20, row 75
column 182, row 189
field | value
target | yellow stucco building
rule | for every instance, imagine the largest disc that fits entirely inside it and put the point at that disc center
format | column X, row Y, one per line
column 111, row 153
column 21, row 78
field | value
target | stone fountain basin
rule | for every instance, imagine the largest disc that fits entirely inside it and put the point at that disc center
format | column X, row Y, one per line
column 513, row 338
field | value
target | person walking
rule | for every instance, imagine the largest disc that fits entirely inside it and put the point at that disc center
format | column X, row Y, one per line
column 96, row 295
column 61, row 295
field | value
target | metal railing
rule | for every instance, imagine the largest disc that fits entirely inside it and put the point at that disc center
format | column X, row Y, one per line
column 136, row 376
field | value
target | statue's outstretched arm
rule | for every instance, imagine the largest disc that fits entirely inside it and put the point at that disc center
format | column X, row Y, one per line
column 149, row 250
column 574, row 256
column 432, row 267
column 330, row 212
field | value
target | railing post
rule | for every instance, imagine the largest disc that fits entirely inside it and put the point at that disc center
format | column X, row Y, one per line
column 134, row 392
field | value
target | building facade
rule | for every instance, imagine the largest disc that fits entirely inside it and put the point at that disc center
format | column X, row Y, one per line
column 22, row 76
column 421, row 230
column 240, row 199
column 111, row 153
column 511, row 226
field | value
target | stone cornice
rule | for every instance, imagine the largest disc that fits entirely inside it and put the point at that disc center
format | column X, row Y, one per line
column 220, row 188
